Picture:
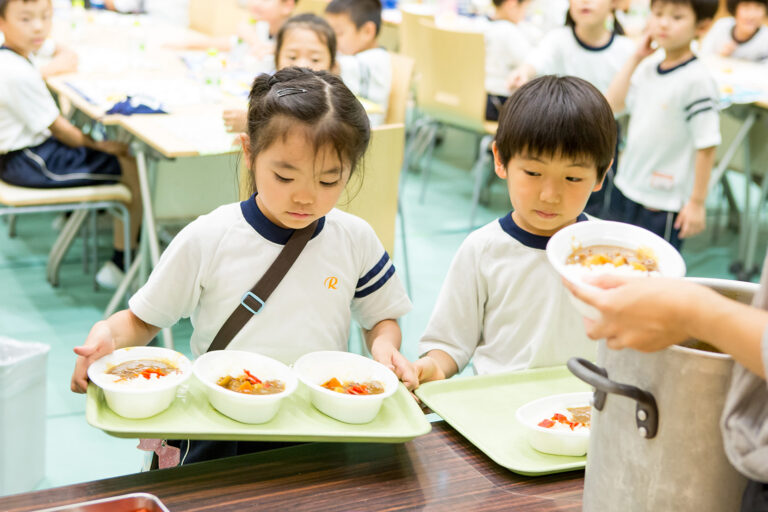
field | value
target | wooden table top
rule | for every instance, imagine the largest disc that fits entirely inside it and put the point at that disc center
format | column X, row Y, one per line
column 438, row 471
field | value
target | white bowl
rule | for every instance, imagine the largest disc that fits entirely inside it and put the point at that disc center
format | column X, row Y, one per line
column 547, row 440
column 316, row 368
column 601, row 232
column 211, row 366
column 134, row 398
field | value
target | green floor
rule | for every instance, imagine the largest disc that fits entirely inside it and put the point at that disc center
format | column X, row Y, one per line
column 31, row 310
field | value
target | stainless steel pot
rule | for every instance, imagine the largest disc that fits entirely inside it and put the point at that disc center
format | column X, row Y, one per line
column 655, row 443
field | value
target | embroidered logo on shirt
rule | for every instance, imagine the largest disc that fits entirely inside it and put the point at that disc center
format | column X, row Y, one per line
column 331, row 282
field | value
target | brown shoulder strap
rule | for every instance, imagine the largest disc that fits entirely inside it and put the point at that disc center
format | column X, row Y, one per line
column 253, row 300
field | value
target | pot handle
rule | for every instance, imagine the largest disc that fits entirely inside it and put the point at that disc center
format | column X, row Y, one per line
column 646, row 414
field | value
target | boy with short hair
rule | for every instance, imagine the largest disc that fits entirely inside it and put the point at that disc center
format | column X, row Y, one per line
column 38, row 147
column 502, row 304
column 366, row 68
column 742, row 35
column 674, row 126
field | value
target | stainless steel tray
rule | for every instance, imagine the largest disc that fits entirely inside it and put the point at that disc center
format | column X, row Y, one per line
column 124, row 503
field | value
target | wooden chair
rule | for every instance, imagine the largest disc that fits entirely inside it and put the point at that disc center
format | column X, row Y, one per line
column 311, row 6
column 412, row 34
column 455, row 99
column 79, row 200
column 402, row 72
column 219, row 18
column 373, row 196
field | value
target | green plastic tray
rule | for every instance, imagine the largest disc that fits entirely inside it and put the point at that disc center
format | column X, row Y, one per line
column 190, row 416
column 482, row 409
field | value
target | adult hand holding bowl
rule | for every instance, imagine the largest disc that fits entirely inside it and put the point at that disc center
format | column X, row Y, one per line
column 594, row 248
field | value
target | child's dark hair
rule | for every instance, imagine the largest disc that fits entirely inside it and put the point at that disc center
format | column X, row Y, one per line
column 4, row 5
column 617, row 28
column 359, row 11
column 732, row 4
column 703, row 9
column 553, row 116
column 319, row 101
column 311, row 22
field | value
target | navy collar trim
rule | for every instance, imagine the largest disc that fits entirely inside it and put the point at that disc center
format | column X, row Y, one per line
column 745, row 41
column 524, row 237
column 593, row 48
column 266, row 227
column 665, row 71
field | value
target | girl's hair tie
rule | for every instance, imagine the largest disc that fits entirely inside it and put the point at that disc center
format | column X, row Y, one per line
column 289, row 90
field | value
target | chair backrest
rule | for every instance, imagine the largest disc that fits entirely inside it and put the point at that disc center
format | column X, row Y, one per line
column 219, row 18
column 410, row 32
column 402, row 72
column 451, row 87
column 313, row 6
column 375, row 198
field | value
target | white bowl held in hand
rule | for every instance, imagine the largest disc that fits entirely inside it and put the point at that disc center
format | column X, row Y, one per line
column 552, row 440
column 139, row 397
column 246, row 408
column 607, row 233
column 316, row 368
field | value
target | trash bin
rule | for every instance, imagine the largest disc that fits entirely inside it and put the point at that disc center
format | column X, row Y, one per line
column 22, row 414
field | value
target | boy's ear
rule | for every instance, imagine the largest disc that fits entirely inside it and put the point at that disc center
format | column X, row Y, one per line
column 368, row 30
column 702, row 27
column 600, row 183
column 498, row 165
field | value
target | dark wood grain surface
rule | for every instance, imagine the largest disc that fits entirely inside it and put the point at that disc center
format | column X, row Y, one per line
column 438, row 471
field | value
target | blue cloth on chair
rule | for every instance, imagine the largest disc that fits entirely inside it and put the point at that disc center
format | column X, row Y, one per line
column 136, row 105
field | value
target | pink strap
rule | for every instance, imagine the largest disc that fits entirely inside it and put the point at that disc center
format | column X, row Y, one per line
column 168, row 456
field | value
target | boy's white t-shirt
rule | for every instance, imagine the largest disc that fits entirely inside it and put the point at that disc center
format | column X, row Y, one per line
column 343, row 272
column 755, row 49
column 562, row 53
column 27, row 108
column 368, row 74
column 504, row 306
column 506, row 47
column 672, row 114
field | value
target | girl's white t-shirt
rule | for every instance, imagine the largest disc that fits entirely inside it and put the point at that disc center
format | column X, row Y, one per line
column 721, row 34
column 562, row 53
column 342, row 273
column 506, row 47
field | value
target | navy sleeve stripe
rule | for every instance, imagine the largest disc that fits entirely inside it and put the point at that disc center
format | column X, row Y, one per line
column 374, row 271
column 705, row 109
column 378, row 284
column 701, row 100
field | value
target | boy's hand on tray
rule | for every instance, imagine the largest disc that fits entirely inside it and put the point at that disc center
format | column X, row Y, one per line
column 390, row 357
column 99, row 343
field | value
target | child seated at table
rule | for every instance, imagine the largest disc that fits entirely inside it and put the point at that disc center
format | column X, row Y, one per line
column 366, row 68
column 305, row 41
column 306, row 134
column 39, row 148
column 742, row 35
column 502, row 304
column 506, row 48
column 674, row 128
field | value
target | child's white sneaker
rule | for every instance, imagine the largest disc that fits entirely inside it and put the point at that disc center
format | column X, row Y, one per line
column 109, row 276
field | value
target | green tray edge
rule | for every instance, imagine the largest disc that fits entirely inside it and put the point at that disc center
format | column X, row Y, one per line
column 425, row 390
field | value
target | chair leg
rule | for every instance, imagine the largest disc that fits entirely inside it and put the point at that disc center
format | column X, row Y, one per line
column 11, row 226
column 432, row 137
column 62, row 244
column 94, row 243
column 404, row 250
column 85, row 232
column 481, row 174
column 123, row 288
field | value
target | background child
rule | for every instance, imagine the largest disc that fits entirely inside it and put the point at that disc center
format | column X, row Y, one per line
column 502, row 304
column 40, row 148
column 743, row 35
column 674, row 125
column 506, row 47
column 305, row 41
column 366, row 68
column 306, row 133
column 590, row 47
